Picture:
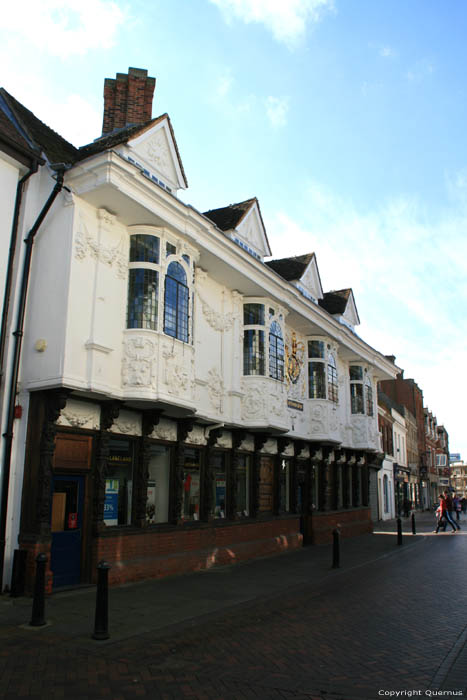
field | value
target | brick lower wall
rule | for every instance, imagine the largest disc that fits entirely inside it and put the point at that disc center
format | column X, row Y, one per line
column 139, row 556
column 351, row 523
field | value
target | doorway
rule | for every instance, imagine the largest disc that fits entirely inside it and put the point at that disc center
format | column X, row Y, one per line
column 67, row 529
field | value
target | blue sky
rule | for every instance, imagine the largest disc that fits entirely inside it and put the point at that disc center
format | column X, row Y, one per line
column 346, row 118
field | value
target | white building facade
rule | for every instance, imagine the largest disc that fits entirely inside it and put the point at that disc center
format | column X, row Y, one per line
column 183, row 402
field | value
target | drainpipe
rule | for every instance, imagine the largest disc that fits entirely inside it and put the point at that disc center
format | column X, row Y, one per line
column 11, row 258
column 18, row 336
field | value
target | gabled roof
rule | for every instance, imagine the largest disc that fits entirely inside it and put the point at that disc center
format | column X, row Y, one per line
column 335, row 302
column 228, row 218
column 339, row 302
column 56, row 148
column 291, row 268
column 126, row 134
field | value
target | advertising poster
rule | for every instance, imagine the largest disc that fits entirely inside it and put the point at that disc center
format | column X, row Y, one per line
column 111, row 502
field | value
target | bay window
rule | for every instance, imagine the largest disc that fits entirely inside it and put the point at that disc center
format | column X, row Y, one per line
column 322, row 371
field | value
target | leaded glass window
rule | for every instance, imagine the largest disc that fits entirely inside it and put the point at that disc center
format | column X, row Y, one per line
column 144, row 248
column 332, row 379
column 176, row 302
column 276, row 352
column 253, row 352
column 316, row 370
column 369, row 397
column 253, row 314
column 142, row 298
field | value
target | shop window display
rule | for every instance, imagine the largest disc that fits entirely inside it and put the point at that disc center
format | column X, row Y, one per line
column 157, row 504
column 218, row 485
column 191, row 485
column 119, row 483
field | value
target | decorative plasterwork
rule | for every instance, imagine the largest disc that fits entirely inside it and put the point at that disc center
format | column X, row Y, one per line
column 179, row 369
column 217, row 320
column 196, row 436
column 165, row 430
column 79, row 414
column 87, row 246
column 127, row 423
column 295, row 366
column 225, row 440
column 253, row 402
column 318, row 419
column 215, row 386
column 139, row 353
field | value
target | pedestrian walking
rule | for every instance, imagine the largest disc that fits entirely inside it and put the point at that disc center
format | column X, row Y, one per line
column 464, row 504
column 456, row 503
column 450, row 507
column 444, row 514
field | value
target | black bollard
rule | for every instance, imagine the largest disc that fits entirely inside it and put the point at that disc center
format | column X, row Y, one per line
column 101, row 620
column 414, row 529
column 335, row 549
column 399, row 531
column 38, row 603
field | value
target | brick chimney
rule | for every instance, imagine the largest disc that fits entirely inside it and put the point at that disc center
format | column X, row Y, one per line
column 127, row 99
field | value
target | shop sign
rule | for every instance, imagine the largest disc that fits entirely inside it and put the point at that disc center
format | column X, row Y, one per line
column 454, row 457
column 111, row 502
column 297, row 405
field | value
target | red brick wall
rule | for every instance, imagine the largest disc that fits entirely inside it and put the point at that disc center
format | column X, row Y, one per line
column 351, row 523
column 138, row 556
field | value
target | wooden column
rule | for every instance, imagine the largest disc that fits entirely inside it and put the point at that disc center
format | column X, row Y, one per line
column 184, row 426
column 54, row 402
column 260, row 440
column 109, row 413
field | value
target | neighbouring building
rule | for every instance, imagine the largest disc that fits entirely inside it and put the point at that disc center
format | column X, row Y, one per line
column 173, row 400
column 386, row 475
column 459, row 477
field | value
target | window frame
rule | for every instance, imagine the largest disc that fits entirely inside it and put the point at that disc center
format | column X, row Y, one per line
column 326, row 362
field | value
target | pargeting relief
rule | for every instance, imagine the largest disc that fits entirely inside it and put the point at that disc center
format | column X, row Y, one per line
column 138, row 359
column 112, row 256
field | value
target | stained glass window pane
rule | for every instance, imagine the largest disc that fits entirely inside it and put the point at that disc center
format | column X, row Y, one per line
column 316, row 348
column 276, row 352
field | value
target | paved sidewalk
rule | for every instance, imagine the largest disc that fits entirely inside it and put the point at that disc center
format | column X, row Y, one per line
column 191, row 636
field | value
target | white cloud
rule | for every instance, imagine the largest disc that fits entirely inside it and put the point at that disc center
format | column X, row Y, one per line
column 287, row 21
column 61, row 28
column 421, row 70
column 386, row 52
column 276, row 110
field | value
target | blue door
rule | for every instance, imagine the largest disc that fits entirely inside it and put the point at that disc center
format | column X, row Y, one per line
column 66, row 526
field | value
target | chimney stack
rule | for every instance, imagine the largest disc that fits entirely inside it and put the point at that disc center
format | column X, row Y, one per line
column 127, row 99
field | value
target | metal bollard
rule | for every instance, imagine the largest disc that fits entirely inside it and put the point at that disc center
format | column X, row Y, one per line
column 414, row 529
column 335, row 549
column 38, row 603
column 399, row 531
column 101, row 620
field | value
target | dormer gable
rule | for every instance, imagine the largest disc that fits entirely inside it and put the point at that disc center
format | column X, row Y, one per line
column 156, row 149
column 301, row 271
column 341, row 304
column 243, row 224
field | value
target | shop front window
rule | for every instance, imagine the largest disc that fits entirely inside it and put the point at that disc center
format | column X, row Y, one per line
column 218, row 485
column 119, row 483
column 191, row 485
column 157, row 504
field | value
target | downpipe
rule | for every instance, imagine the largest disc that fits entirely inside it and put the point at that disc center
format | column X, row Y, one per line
column 18, row 338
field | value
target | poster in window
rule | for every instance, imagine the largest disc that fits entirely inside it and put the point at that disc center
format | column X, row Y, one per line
column 111, row 502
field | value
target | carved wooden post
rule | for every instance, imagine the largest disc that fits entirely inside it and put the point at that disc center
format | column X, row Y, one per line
column 238, row 437
column 55, row 401
column 141, row 475
column 213, row 436
column 184, row 427
column 325, row 474
column 315, row 496
column 260, row 440
column 365, row 483
column 109, row 413
column 299, row 447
